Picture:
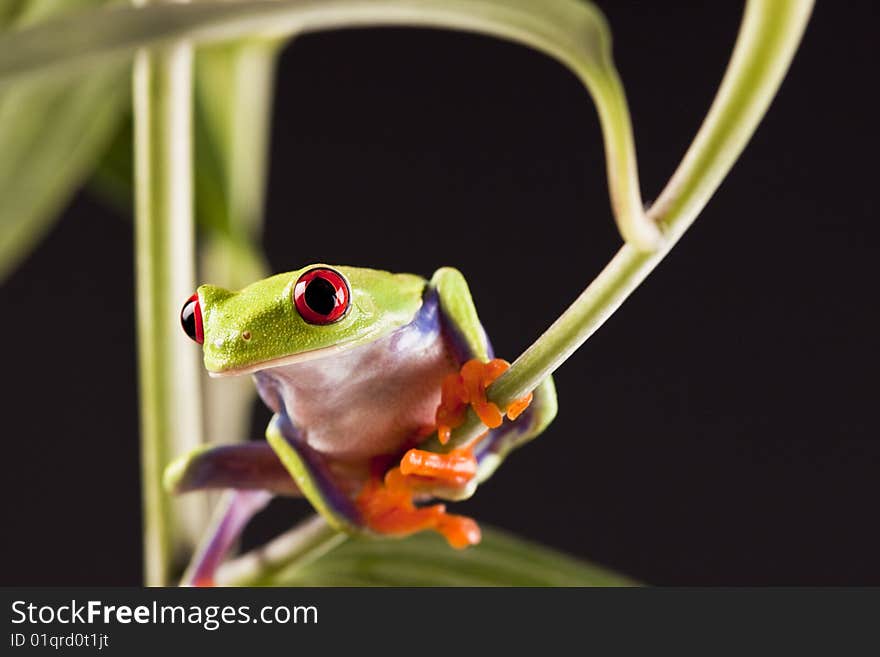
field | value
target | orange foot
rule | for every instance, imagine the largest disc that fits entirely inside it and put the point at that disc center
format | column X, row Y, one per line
column 468, row 387
column 387, row 506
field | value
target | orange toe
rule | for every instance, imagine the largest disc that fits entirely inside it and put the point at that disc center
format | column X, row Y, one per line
column 457, row 467
column 468, row 387
column 387, row 508
column 478, row 376
column 459, row 531
column 518, row 406
column 453, row 406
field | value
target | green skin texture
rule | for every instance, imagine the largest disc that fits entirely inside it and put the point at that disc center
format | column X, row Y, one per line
column 259, row 327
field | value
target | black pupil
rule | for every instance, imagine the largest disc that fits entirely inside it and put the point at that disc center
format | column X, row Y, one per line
column 321, row 296
column 188, row 319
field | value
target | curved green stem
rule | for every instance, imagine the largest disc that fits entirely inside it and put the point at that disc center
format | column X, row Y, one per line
column 769, row 36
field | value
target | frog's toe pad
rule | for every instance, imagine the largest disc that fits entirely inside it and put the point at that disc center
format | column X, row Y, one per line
column 518, row 406
column 459, row 531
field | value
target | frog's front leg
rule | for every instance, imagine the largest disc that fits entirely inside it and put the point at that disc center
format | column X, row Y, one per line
column 253, row 473
column 387, row 504
column 454, row 475
column 470, row 346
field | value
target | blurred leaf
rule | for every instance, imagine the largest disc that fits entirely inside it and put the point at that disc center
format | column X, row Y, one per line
column 51, row 133
column 575, row 33
column 9, row 11
column 234, row 93
column 426, row 560
column 113, row 175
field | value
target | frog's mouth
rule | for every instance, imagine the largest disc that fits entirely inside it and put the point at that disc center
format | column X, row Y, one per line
column 282, row 361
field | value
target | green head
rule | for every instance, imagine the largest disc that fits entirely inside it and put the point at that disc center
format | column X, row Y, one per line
column 309, row 313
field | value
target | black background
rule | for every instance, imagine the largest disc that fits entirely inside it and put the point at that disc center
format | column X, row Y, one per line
column 721, row 428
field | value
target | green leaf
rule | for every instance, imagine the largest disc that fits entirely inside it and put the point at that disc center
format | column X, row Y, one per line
column 234, row 89
column 426, row 560
column 234, row 94
column 573, row 32
column 51, row 134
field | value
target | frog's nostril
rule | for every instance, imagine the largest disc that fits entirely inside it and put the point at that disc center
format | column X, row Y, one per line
column 246, row 335
column 191, row 319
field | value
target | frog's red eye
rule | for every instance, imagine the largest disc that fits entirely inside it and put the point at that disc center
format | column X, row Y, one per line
column 321, row 296
column 191, row 319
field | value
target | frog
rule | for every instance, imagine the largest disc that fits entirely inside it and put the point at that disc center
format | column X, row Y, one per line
column 367, row 374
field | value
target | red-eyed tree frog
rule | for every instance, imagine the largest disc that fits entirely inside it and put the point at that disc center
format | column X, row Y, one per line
column 360, row 368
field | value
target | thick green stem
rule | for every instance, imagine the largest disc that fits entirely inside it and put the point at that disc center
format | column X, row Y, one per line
column 169, row 375
column 293, row 549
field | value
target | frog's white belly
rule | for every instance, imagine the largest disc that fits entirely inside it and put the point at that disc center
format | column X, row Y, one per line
column 371, row 400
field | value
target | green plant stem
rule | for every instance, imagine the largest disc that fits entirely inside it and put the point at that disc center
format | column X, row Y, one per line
column 769, row 36
column 295, row 548
column 165, row 273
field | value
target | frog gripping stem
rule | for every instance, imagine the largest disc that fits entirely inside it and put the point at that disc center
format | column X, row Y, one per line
column 468, row 387
column 387, row 503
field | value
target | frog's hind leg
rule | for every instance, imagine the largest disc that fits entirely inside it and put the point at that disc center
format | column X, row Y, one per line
column 232, row 514
column 242, row 466
column 255, row 475
column 312, row 475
